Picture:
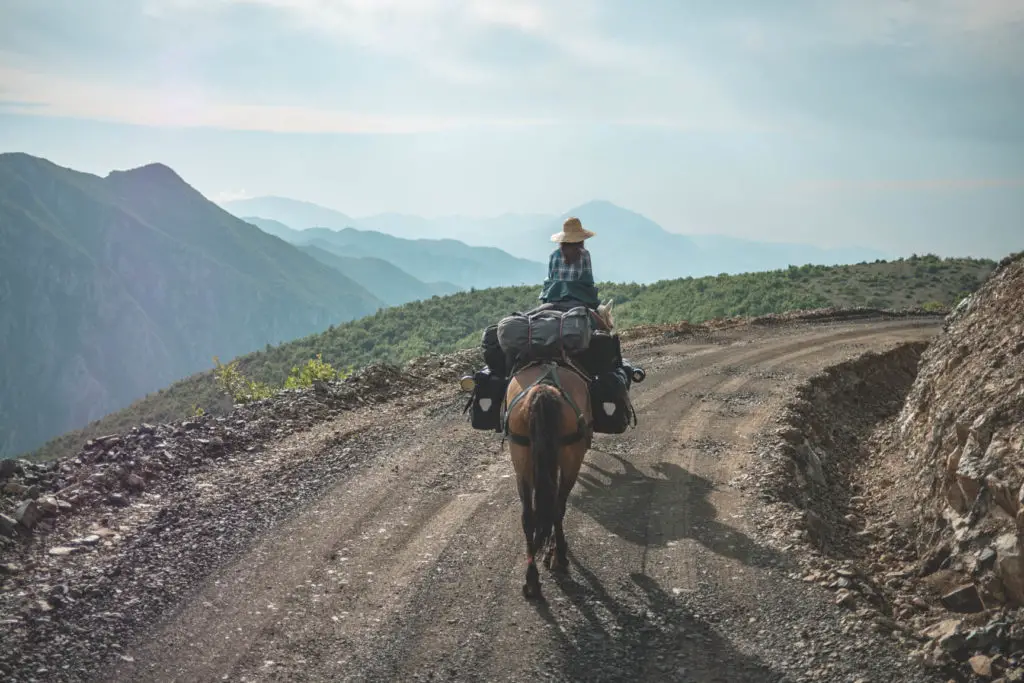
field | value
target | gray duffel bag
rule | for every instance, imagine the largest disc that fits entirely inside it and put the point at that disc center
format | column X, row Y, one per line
column 546, row 334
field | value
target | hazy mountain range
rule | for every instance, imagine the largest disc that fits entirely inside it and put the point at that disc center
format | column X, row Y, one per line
column 628, row 247
column 112, row 287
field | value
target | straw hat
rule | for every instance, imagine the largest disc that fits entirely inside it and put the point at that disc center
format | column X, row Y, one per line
column 572, row 231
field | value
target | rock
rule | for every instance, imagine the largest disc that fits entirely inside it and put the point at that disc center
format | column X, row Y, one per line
column 27, row 514
column 8, row 526
column 963, row 599
column 48, row 506
column 845, row 598
column 60, row 550
column 987, row 558
column 117, row 500
column 15, row 488
column 136, row 483
column 981, row 666
column 8, row 466
column 1010, row 567
column 947, row 635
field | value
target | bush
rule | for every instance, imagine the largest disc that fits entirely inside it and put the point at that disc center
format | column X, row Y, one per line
column 243, row 390
column 236, row 385
column 314, row 370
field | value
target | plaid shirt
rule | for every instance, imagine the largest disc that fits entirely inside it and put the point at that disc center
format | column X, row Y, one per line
column 581, row 271
column 570, row 281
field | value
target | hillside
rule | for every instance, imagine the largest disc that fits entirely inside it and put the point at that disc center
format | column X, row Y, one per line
column 114, row 287
column 443, row 324
column 389, row 283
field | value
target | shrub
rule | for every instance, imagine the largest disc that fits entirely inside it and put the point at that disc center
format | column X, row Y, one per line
column 236, row 385
column 314, row 370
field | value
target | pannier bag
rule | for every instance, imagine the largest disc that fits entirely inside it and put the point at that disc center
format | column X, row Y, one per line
column 485, row 403
column 494, row 355
column 604, row 354
column 546, row 334
column 609, row 401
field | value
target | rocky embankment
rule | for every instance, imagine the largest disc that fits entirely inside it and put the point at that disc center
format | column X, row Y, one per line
column 901, row 474
column 100, row 544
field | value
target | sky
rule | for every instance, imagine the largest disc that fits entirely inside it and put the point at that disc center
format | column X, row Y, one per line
column 892, row 124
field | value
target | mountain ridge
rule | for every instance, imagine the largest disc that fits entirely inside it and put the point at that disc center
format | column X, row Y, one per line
column 118, row 285
column 625, row 241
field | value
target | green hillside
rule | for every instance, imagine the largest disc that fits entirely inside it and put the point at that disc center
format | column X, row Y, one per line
column 443, row 324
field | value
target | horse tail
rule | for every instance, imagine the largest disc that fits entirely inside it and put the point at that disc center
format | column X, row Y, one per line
column 545, row 412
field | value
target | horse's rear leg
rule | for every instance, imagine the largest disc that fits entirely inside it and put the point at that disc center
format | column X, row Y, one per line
column 531, row 589
column 560, row 562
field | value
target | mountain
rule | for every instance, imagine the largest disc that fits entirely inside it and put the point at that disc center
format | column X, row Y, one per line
column 628, row 247
column 498, row 231
column 452, row 265
column 631, row 247
column 275, row 228
column 431, row 260
column 112, row 287
column 291, row 212
column 387, row 282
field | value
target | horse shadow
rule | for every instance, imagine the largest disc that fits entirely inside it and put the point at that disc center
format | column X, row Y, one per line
column 645, row 634
column 658, row 510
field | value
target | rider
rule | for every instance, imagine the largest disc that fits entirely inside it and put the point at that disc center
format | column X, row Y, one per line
column 570, row 280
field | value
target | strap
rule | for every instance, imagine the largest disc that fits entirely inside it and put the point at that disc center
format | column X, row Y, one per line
column 549, row 377
column 566, row 440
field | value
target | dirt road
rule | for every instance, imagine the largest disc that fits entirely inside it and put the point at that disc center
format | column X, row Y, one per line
column 409, row 566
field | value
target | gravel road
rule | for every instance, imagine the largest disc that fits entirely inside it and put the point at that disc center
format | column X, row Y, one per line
column 406, row 563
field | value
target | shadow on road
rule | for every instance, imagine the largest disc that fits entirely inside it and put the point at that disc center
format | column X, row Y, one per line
column 657, row 510
column 642, row 634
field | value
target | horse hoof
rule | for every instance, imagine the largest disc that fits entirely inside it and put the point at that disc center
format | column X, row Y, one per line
column 531, row 591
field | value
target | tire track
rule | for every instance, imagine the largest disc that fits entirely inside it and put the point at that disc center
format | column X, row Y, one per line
column 392, row 577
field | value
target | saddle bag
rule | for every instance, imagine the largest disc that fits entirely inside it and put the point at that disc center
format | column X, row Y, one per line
column 609, row 400
column 494, row 355
column 604, row 354
column 546, row 334
column 485, row 403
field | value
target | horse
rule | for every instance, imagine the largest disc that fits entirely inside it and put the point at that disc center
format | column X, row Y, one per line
column 550, row 429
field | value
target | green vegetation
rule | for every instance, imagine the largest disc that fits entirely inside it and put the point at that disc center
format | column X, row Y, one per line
column 241, row 389
column 444, row 324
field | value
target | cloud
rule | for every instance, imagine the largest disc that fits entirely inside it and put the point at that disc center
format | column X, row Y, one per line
column 183, row 106
column 988, row 31
column 910, row 185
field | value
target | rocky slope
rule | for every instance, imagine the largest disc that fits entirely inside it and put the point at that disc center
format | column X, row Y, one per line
column 961, row 434
column 901, row 475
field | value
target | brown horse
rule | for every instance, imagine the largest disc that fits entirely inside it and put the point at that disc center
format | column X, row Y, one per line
column 550, row 429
